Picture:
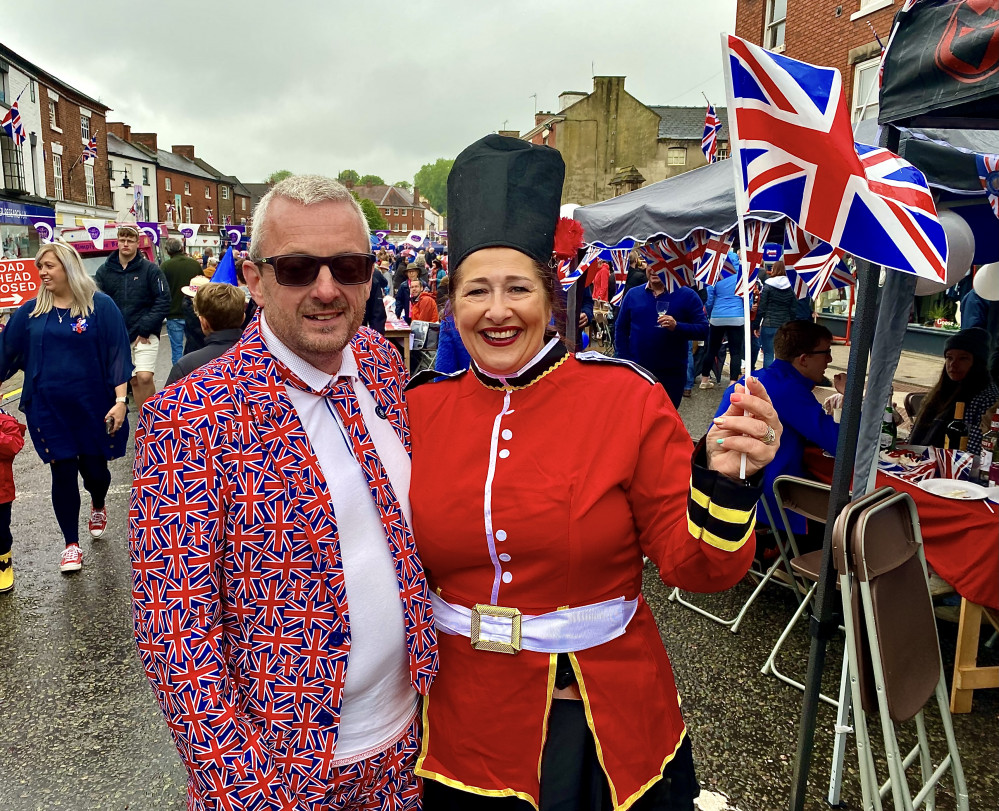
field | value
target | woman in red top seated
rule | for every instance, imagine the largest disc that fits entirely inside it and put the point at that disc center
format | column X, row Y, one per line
column 554, row 687
column 423, row 306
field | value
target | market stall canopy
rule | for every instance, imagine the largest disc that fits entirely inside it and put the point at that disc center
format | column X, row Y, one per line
column 947, row 158
column 701, row 198
column 942, row 65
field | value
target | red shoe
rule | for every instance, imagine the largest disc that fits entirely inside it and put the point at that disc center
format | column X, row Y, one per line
column 72, row 559
column 98, row 521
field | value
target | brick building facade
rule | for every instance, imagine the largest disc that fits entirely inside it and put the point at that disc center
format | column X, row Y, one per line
column 831, row 33
column 403, row 210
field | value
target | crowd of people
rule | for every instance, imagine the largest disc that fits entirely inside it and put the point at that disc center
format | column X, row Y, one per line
column 401, row 592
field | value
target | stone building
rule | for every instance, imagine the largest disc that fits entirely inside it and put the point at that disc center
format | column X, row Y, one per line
column 612, row 142
column 833, row 34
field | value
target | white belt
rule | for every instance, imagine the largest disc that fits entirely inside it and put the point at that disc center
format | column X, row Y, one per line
column 506, row 630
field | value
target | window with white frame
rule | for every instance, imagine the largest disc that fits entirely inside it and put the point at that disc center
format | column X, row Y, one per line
column 187, row 213
column 167, row 184
column 242, row 204
column 865, row 89
column 225, row 192
column 676, row 156
column 145, row 175
column 53, row 121
column 57, row 177
column 773, row 38
column 187, row 189
column 722, row 151
column 88, row 173
column 85, row 127
column 4, row 83
column 208, row 192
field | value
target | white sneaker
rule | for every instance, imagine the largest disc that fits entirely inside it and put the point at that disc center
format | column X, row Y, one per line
column 706, row 384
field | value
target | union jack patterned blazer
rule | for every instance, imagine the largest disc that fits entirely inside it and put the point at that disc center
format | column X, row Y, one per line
column 239, row 601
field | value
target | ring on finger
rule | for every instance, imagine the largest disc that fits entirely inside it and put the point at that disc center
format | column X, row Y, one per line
column 770, row 437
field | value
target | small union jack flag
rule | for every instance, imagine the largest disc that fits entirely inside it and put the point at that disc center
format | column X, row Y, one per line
column 90, row 150
column 210, row 217
column 792, row 134
column 12, row 123
column 228, row 220
column 709, row 140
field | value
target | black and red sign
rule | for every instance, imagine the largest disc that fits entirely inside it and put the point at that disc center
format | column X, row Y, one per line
column 943, row 60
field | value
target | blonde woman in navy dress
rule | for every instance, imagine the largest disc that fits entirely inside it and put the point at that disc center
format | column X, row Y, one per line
column 71, row 343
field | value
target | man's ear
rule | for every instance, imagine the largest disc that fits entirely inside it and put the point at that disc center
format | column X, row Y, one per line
column 253, row 281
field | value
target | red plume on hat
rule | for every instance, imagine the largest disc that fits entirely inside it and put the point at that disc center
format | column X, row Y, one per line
column 568, row 238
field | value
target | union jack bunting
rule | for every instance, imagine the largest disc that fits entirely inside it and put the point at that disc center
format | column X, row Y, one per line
column 619, row 265
column 210, row 218
column 90, row 150
column 228, row 220
column 988, row 175
column 709, row 140
column 823, row 269
column 709, row 252
column 792, row 135
column 569, row 277
column 798, row 283
column 669, row 258
column 756, row 235
column 797, row 243
column 12, row 123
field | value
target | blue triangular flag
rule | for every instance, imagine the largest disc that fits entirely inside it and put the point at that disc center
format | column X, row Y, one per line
column 225, row 273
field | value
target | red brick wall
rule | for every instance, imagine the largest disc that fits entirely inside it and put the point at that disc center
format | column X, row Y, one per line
column 814, row 34
column 74, row 183
column 196, row 199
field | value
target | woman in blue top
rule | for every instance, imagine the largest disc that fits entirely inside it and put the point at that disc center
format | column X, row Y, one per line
column 72, row 345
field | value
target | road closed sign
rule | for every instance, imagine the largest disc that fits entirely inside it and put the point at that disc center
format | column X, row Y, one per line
column 18, row 282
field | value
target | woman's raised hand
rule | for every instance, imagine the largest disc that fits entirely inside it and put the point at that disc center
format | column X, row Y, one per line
column 750, row 426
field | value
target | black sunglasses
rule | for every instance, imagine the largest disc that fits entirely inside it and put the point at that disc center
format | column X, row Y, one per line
column 301, row 270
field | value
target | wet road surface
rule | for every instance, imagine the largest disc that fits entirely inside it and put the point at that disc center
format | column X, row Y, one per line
column 79, row 728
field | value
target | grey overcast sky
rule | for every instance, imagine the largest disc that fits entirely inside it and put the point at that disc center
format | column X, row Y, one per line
column 381, row 88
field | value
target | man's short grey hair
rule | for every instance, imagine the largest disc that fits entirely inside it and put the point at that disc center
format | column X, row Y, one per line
column 173, row 246
column 307, row 190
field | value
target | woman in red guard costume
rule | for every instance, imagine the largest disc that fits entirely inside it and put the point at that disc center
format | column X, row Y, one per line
column 555, row 691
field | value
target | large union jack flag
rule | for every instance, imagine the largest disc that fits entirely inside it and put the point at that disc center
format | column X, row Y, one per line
column 709, row 140
column 792, row 136
column 13, row 125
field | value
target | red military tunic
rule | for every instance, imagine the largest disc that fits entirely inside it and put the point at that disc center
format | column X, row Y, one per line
column 543, row 494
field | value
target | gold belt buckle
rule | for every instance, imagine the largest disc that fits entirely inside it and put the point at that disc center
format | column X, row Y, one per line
column 499, row 612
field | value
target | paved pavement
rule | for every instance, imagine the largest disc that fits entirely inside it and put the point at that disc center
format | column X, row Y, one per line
column 79, row 728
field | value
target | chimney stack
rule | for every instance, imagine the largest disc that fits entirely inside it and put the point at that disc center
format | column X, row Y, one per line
column 146, row 139
column 185, row 151
column 120, row 129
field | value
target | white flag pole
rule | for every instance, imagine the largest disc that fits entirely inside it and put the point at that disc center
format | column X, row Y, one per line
column 741, row 207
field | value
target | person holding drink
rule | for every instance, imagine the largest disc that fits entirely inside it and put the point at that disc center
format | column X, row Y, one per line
column 554, row 689
column 654, row 329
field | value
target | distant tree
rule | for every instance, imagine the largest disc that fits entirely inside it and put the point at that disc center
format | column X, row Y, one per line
column 348, row 174
column 278, row 176
column 432, row 182
column 372, row 213
column 371, row 180
column 403, row 184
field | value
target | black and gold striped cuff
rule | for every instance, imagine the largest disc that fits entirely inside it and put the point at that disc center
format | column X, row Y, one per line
column 721, row 512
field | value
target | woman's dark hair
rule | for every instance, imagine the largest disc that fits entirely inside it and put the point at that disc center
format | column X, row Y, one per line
column 939, row 402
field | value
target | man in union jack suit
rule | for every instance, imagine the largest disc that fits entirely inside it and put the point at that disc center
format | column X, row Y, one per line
column 281, row 612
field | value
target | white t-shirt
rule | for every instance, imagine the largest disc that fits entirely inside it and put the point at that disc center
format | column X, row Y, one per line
column 379, row 701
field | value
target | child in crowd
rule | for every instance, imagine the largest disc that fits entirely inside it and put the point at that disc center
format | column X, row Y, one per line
column 11, row 442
